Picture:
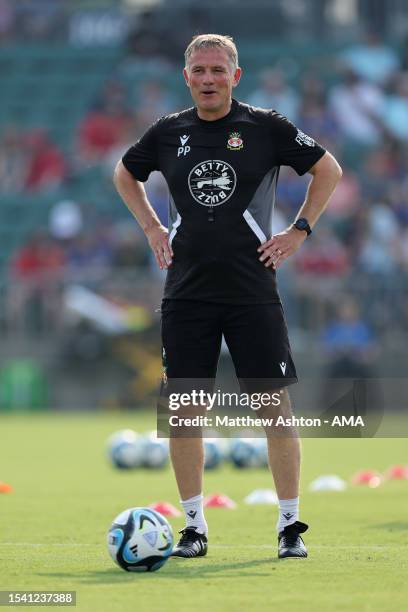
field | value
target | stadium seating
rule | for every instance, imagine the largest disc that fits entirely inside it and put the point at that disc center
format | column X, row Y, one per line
column 52, row 86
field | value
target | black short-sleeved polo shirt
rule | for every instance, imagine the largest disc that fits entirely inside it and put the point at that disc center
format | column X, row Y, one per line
column 222, row 178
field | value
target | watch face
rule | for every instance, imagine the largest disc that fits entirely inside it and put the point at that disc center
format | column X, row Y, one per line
column 301, row 224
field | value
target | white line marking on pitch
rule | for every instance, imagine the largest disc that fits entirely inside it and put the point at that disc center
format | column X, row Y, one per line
column 226, row 546
column 346, row 547
column 35, row 544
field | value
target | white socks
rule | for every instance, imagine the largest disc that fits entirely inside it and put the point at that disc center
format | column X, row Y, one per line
column 288, row 513
column 194, row 511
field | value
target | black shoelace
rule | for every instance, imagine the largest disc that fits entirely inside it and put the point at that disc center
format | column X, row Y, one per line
column 189, row 536
column 290, row 540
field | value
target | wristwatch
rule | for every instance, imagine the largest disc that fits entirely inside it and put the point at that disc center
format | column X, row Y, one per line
column 302, row 224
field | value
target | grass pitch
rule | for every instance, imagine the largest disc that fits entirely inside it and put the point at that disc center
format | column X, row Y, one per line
column 53, row 526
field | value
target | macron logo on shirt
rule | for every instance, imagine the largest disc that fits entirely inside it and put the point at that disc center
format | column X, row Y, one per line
column 184, row 149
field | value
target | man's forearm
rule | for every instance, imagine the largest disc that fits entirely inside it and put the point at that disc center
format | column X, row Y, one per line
column 326, row 173
column 134, row 196
column 325, row 176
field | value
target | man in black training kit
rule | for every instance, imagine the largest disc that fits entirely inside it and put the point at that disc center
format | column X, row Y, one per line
column 221, row 161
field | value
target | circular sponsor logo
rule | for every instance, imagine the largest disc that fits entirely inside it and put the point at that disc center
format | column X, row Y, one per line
column 212, row 182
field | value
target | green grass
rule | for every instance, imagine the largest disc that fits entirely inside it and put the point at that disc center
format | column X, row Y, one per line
column 53, row 526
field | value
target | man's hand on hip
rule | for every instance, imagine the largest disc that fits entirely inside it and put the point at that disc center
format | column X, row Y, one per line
column 158, row 238
column 281, row 246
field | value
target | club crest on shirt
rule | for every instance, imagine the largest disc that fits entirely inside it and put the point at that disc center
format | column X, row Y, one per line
column 212, row 182
column 235, row 142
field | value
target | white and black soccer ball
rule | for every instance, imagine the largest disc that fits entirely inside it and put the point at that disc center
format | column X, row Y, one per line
column 213, row 453
column 155, row 451
column 244, row 453
column 124, row 449
column 261, row 446
column 140, row 540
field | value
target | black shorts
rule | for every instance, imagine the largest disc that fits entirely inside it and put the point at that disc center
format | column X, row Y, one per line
column 256, row 336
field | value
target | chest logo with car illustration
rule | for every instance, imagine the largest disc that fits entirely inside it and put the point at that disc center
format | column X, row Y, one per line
column 212, row 182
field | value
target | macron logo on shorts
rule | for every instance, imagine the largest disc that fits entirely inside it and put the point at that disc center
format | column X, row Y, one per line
column 282, row 366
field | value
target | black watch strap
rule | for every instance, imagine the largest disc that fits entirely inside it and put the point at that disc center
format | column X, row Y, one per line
column 302, row 225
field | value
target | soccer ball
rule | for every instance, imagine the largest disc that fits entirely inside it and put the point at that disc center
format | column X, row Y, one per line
column 155, row 451
column 140, row 540
column 261, row 447
column 213, row 453
column 244, row 453
column 124, row 449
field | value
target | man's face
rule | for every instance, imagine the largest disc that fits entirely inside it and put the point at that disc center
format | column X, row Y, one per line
column 211, row 78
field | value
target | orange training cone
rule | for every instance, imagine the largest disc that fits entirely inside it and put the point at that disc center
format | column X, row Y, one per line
column 5, row 488
column 371, row 478
column 218, row 500
column 165, row 508
column 398, row 472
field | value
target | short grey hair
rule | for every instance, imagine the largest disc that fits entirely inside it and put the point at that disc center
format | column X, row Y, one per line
column 209, row 41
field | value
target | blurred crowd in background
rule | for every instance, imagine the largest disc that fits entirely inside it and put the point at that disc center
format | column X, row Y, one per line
column 359, row 250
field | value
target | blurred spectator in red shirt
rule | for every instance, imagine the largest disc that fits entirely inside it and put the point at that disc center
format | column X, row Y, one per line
column 105, row 125
column 35, row 271
column 325, row 256
column 99, row 132
column 47, row 167
column 39, row 258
